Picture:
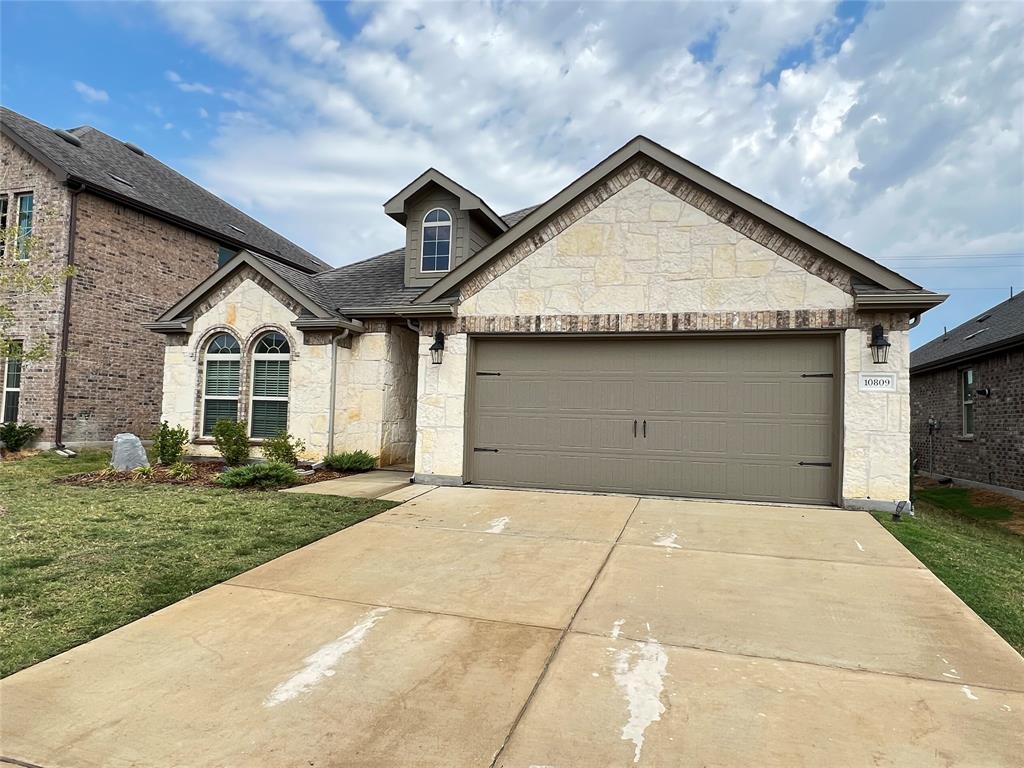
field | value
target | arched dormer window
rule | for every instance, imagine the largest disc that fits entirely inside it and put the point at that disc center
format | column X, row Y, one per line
column 436, row 250
column 221, row 381
column 268, row 413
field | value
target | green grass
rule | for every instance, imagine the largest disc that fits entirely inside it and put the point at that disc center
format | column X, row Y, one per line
column 959, row 500
column 77, row 562
column 980, row 561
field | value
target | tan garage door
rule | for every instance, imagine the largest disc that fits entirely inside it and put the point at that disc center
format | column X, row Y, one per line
column 745, row 418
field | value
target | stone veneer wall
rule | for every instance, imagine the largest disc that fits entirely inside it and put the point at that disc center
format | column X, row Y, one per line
column 634, row 257
column 247, row 305
column 441, row 408
column 37, row 317
column 398, row 441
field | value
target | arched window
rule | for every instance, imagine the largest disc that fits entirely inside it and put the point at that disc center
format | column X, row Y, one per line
column 269, row 411
column 437, row 241
column 221, row 381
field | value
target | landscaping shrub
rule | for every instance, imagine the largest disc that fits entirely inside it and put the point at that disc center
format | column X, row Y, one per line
column 232, row 441
column 350, row 461
column 283, row 448
column 182, row 471
column 143, row 472
column 273, row 474
column 169, row 443
column 16, row 436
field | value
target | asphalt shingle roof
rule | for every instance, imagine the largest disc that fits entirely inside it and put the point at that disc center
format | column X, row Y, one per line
column 1003, row 323
column 155, row 185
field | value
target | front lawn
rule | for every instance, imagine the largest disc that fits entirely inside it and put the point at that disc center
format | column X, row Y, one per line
column 981, row 561
column 78, row 562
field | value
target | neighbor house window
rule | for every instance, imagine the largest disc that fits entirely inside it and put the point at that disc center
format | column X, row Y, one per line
column 24, row 224
column 221, row 382
column 224, row 255
column 967, row 400
column 3, row 224
column 11, row 384
column 269, row 411
column 437, row 241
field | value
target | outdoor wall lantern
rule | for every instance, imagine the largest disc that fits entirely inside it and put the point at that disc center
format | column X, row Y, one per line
column 437, row 348
column 879, row 345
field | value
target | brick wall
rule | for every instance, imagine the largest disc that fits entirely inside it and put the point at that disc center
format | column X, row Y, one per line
column 996, row 453
column 37, row 316
column 130, row 268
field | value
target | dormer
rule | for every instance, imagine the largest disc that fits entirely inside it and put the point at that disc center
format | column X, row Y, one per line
column 445, row 224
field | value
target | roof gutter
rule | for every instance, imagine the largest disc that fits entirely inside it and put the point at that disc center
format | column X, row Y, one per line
column 65, row 326
column 179, row 325
column 436, row 309
column 328, row 324
column 908, row 301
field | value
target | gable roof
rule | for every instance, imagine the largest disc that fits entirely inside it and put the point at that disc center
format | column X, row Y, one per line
column 997, row 328
column 151, row 186
column 395, row 207
column 869, row 271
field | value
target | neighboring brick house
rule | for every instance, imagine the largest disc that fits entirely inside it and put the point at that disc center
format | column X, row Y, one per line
column 967, row 399
column 650, row 328
column 138, row 235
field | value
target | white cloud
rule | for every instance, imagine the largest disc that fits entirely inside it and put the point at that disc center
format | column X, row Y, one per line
column 187, row 87
column 89, row 93
column 905, row 141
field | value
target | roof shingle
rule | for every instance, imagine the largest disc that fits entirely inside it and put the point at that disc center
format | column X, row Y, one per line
column 1002, row 324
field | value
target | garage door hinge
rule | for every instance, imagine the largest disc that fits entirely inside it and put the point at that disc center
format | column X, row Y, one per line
column 815, row 375
column 485, row 450
column 487, row 373
column 815, row 463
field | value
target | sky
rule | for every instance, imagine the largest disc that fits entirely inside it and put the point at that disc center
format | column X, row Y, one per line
column 894, row 127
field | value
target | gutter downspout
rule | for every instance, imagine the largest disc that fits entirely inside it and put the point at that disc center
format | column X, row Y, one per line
column 65, row 331
column 334, row 387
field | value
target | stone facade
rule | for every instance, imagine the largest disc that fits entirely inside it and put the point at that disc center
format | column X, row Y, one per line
column 37, row 317
column 995, row 453
column 129, row 267
column 632, row 256
column 441, row 408
column 374, row 404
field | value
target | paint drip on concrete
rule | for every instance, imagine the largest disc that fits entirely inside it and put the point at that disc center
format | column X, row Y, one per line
column 498, row 524
column 667, row 540
column 321, row 664
column 639, row 672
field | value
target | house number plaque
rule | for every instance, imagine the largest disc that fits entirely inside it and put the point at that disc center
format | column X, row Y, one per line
column 878, row 382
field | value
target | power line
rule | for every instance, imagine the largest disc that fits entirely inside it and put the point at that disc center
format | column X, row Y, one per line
column 956, row 255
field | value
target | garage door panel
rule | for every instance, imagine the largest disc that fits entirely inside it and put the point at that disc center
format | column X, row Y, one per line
column 726, row 418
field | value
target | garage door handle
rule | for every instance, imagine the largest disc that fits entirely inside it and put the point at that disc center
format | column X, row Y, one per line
column 634, row 427
column 815, row 463
column 645, row 428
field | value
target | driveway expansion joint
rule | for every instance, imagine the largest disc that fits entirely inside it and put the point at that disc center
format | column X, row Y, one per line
column 561, row 639
column 684, row 548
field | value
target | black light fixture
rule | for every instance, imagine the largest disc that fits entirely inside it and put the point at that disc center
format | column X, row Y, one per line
column 437, row 348
column 879, row 345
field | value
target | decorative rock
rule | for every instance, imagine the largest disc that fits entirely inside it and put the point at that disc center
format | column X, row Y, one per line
column 128, row 453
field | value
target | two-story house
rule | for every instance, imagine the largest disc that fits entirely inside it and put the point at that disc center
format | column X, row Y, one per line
column 137, row 235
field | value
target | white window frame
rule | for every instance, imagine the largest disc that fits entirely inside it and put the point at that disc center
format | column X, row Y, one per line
column 252, row 379
column 451, row 239
column 206, row 360
column 4, row 389
column 21, row 253
column 966, row 399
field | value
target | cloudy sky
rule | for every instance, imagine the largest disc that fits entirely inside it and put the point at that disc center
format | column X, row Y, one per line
column 894, row 127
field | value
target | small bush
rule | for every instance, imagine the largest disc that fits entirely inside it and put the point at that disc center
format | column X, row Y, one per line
column 232, row 441
column 350, row 461
column 182, row 471
column 283, row 448
column 169, row 443
column 16, row 436
column 142, row 472
column 273, row 474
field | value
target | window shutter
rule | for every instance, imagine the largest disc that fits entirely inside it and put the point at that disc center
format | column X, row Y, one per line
column 222, row 378
column 269, row 417
column 216, row 410
column 270, row 378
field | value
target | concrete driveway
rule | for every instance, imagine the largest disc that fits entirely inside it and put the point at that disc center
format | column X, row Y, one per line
column 473, row 627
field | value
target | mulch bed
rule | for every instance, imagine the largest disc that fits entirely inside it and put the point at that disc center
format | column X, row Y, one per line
column 205, row 477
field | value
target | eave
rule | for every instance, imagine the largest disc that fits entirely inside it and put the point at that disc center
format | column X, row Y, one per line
column 1003, row 345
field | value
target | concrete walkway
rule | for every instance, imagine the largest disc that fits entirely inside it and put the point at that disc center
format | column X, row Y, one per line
column 473, row 627
column 389, row 484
